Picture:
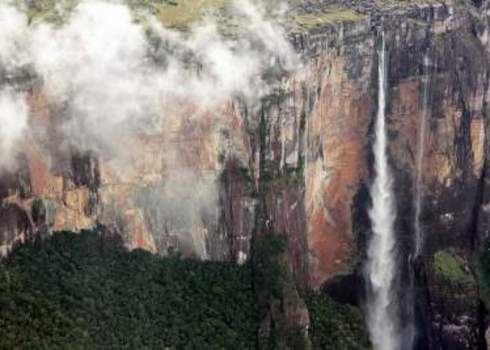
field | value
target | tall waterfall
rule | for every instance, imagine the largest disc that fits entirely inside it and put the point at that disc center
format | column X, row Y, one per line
column 419, row 238
column 381, row 265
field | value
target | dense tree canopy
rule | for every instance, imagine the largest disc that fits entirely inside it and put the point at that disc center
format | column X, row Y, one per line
column 82, row 291
column 85, row 291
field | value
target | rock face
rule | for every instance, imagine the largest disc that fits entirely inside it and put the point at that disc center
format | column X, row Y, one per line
column 299, row 165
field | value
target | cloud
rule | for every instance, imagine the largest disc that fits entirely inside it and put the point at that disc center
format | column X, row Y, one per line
column 96, row 65
column 13, row 123
column 115, row 80
column 14, row 39
column 112, row 80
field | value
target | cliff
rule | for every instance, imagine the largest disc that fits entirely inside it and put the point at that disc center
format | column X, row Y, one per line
column 299, row 165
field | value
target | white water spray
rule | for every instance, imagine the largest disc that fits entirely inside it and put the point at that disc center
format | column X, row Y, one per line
column 419, row 235
column 381, row 264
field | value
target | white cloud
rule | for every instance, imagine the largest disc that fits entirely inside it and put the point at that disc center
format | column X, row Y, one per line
column 13, row 123
column 14, row 39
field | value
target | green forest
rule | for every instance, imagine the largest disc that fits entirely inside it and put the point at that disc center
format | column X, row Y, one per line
column 86, row 291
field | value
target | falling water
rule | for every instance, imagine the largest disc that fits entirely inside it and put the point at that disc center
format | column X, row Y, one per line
column 306, row 145
column 381, row 264
column 419, row 238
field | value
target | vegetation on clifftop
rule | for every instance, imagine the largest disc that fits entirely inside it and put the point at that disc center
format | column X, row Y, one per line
column 448, row 266
column 172, row 13
column 327, row 17
column 181, row 14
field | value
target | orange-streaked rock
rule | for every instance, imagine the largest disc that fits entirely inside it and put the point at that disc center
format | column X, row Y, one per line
column 339, row 123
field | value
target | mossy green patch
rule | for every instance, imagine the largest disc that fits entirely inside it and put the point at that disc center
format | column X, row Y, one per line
column 182, row 13
column 449, row 267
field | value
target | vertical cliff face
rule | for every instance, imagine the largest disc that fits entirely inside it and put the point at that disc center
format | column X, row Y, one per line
column 438, row 59
column 299, row 165
column 452, row 166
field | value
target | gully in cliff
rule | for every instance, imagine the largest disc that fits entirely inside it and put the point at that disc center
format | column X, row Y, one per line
column 419, row 237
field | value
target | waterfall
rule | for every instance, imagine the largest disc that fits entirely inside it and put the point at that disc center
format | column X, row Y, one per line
column 381, row 264
column 419, row 237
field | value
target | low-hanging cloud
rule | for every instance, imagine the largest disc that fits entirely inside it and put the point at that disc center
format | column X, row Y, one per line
column 96, row 65
column 103, row 66
column 13, row 123
column 14, row 39
column 116, row 79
